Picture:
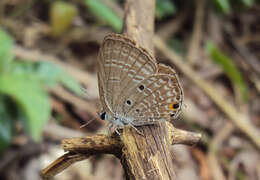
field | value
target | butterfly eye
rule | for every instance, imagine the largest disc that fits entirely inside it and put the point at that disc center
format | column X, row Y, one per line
column 103, row 115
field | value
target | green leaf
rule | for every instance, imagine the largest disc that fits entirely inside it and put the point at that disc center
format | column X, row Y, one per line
column 48, row 74
column 71, row 84
column 223, row 5
column 6, row 45
column 62, row 15
column 51, row 74
column 24, row 84
column 104, row 14
column 229, row 68
column 45, row 72
column 248, row 3
column 31, row 98
column 165, row 8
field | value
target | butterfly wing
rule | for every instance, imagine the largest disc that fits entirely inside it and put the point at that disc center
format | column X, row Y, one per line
column 121, row 65
column 133, row 86
column 158, row 97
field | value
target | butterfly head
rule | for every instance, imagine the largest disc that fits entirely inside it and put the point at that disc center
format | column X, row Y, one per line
column 114, row 118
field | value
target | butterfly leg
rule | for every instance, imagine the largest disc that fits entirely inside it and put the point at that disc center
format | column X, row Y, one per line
column 116, row 130
column 112, row 128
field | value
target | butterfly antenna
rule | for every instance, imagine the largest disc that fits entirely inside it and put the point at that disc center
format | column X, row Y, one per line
column 87, row 123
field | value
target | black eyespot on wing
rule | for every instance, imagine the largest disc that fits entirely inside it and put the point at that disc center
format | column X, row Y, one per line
column 172, row 114
column 128, row 102
column 137, row 110
column 141, row 87
column 103, row 115
column 175, row 106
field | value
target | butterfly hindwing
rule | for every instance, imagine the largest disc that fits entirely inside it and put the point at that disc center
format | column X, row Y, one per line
column 160, row 98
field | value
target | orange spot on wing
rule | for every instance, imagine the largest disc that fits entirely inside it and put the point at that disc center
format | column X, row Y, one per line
column 171, row 106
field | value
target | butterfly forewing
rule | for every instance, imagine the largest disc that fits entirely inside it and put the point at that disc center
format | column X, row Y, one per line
column 125, row 66
column 111, row 54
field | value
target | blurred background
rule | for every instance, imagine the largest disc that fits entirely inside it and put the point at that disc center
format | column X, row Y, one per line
column 48, row 84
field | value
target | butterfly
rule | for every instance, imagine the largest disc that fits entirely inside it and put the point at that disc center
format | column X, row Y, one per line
column 134, row 89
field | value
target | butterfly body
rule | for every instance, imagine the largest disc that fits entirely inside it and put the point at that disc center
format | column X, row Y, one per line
column 134, row 89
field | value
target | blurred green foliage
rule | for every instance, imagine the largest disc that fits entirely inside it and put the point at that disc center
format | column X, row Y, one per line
column 62, row 15
column 30, row 97
column 227, row 64
column 223, row 6
column 5, row 52
column 226, row 6
column 104, row 14
column 23, row 93
column 165, row 8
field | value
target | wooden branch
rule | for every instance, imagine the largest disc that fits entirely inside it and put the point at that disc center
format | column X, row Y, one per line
column 62, row 163
column 97, row 144
column 103, row 144
column 179, row 136
column 81, row 148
